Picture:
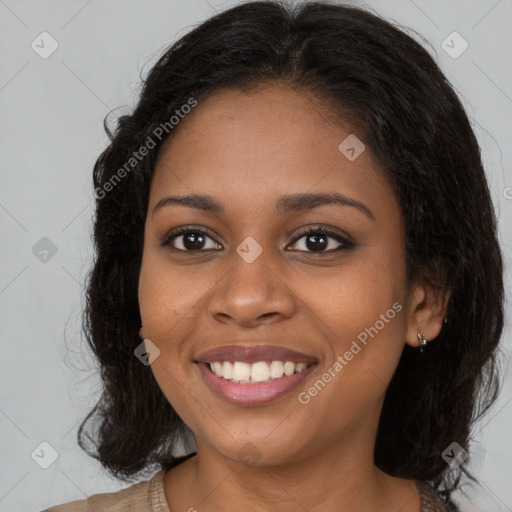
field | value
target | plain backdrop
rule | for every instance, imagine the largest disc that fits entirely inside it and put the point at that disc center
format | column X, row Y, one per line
column 51, row 132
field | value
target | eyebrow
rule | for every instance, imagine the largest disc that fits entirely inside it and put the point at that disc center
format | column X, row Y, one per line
column 286, row 204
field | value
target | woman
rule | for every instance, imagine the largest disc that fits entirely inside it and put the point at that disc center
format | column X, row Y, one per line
column 297, row 265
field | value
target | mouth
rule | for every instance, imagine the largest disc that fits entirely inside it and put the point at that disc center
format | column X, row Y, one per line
column 254, row 374
column 244, row 384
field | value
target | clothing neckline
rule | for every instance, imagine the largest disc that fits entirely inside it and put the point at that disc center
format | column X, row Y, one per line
column 157, row 500
column 156, row 497
column 429, row 499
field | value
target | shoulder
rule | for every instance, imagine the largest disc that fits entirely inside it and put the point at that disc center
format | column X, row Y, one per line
column 146, row 496
column 431, row 501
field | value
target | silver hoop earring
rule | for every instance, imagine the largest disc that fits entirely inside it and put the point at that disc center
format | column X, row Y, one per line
column 423, row 341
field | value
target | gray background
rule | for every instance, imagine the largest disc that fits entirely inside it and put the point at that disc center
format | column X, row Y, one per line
column 51, row 133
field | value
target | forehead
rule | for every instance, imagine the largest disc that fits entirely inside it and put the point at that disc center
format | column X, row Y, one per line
column 251, row 147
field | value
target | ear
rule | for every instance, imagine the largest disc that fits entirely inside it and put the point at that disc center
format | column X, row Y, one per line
column 426, row 311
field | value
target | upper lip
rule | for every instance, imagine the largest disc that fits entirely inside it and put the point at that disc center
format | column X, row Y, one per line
column 253, row 354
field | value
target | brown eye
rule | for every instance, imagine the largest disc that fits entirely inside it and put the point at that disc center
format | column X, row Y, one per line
column 320, row 239
column 188, row 240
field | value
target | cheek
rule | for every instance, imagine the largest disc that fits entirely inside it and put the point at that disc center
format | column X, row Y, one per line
column 361, row 313
column 166, row 301
column 167, row 294
column 354, row 296
column 362, row 316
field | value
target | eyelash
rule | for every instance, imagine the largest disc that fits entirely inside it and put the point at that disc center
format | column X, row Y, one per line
column 346, row 244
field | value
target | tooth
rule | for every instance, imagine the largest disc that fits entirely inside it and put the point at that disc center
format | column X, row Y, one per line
column 245, row 373
column 260, row 372
column 299, row 367
column 217, row 368
column 289, row 368
column 241, row 371
column 227, row 370
column 276, row 369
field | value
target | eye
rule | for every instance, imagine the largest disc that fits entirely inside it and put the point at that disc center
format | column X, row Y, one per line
column 189, row 239
column 318, row 239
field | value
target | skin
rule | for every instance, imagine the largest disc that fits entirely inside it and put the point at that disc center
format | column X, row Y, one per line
column 247, row 150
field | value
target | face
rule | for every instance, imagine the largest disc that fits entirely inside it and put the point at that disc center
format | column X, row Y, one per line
column 247, row 274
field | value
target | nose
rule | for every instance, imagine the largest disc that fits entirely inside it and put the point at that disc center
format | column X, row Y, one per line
column 251, row 294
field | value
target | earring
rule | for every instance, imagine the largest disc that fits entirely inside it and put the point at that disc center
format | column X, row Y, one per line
column 423, row 341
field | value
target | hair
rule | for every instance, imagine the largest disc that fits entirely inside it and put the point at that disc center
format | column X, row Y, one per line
column 390, row 88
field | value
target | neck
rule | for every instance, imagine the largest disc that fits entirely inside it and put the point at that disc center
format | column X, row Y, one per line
column 209, row 482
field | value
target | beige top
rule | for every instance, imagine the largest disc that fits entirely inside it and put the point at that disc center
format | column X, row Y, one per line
column 148, row 496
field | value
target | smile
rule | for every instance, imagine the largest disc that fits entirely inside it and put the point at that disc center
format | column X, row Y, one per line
column 240, row 383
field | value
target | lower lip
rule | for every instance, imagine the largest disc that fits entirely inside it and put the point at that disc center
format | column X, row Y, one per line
column 253, row 394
